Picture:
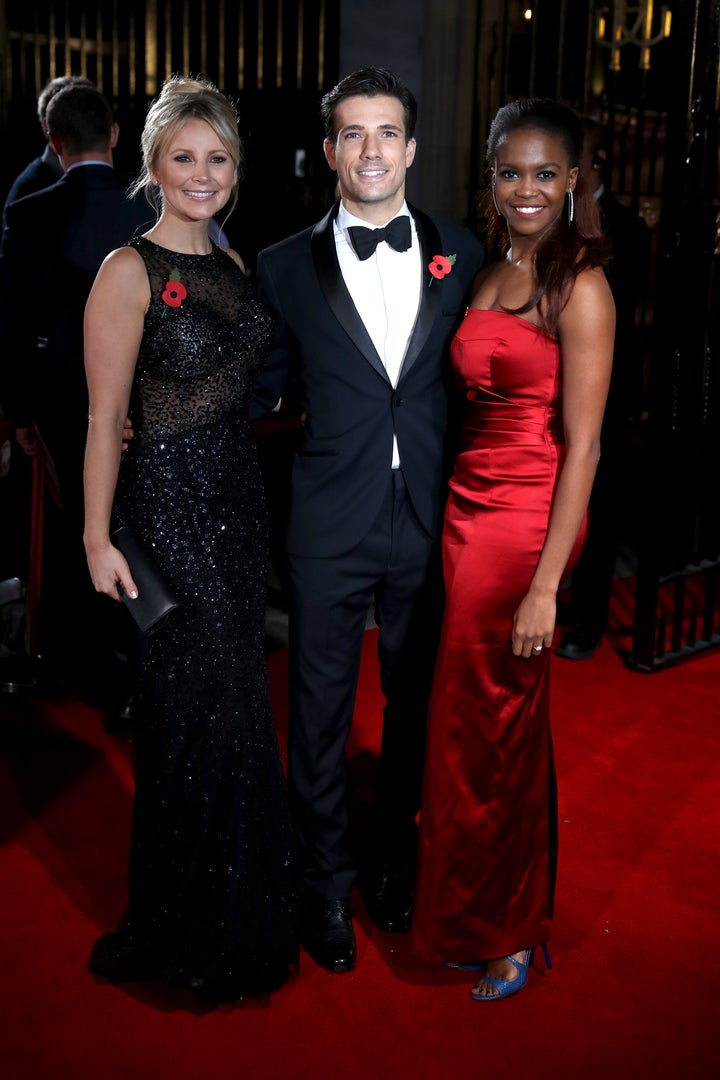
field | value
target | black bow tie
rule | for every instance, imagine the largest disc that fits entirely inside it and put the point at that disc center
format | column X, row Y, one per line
column 396, row 233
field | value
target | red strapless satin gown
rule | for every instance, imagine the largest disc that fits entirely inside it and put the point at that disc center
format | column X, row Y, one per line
column 488, row 822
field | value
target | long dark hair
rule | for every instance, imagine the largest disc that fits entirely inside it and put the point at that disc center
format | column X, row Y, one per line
column 568, row 248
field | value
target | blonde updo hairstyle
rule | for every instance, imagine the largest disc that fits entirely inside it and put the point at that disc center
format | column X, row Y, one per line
column 181, row 99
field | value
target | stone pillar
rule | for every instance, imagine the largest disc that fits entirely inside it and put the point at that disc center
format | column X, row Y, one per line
column 389, row 35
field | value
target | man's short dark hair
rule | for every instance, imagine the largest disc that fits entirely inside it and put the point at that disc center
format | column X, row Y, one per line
column 53, row 87
column 81, row 117
column 369, row 82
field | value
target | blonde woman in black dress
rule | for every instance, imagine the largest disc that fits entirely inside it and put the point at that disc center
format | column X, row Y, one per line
column 175, row 336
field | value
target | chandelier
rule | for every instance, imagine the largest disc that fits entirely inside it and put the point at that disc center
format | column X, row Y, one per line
column 631, row 25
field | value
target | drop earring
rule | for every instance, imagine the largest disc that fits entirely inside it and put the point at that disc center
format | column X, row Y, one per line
column 571, row 207
column 494, row 199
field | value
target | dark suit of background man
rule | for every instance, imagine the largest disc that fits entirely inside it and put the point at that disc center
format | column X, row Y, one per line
column 52, row 247
column 41, row 172
column 368, row 339
column 628, row 275
column 44, row 170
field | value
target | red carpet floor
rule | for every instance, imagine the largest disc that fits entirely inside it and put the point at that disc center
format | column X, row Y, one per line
column 634, row 989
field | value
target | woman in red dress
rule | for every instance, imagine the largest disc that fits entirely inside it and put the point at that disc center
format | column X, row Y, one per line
column 534, row 354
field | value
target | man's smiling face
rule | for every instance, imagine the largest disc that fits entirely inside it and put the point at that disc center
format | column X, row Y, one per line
column 370, row 155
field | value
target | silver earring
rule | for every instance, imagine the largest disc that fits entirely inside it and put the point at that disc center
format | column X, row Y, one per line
column 571, row 207
column 494, row 199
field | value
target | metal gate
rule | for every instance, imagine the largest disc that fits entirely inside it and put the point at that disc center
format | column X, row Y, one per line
column 652, row 75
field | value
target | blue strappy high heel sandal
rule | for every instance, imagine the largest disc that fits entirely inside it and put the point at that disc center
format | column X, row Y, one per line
column 511, row 986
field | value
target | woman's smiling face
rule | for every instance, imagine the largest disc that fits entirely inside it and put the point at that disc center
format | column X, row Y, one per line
column 195, row 171
column 531, row 177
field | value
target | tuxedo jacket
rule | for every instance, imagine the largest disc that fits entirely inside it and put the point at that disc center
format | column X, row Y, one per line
column 341, row 471
column 52, row 246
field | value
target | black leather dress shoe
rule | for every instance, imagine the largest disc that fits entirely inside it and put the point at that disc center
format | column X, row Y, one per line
column 389, row 899
column 577, row 645
column 120, row 720
column 328, row 934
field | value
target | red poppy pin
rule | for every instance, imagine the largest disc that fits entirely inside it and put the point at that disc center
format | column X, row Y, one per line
column 441, row 265
column 175, row 291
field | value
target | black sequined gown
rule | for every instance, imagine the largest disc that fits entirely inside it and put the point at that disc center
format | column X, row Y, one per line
column 211, row 897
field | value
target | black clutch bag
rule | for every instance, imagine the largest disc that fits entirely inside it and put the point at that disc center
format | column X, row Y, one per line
column 156, row 599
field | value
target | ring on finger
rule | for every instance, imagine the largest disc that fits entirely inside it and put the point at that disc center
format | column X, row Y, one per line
column 537, row 648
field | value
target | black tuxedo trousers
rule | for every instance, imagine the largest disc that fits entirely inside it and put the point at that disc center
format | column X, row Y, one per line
column 395, row 572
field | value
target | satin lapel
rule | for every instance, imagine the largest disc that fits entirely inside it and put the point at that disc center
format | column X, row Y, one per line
column 335, row 291
column 430, row 297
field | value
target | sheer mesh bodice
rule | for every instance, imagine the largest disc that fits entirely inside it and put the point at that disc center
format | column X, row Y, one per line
column 200, row 358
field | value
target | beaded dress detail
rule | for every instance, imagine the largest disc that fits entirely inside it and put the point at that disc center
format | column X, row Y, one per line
column 211, row 891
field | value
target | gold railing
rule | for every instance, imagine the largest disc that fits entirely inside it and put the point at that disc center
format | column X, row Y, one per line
column 128, row 49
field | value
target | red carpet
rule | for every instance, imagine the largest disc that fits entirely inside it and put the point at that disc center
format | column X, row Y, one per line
column 633, row 992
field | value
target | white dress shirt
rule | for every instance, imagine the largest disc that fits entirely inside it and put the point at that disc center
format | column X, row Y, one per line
column 386, row 292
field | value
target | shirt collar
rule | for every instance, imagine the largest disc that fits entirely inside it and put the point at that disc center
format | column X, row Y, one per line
column 345, row 219
column 79, row 164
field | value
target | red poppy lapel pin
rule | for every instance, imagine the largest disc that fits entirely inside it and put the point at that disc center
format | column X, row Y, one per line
column 440, row 266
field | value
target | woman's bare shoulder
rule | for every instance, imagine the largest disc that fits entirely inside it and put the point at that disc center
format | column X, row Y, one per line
column 590, row 290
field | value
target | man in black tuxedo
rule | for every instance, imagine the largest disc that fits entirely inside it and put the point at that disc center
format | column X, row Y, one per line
column 52, row 247
column 365, row 322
